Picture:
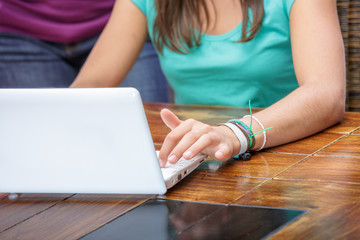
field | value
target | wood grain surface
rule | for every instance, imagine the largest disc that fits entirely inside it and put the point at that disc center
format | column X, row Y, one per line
column 347, row 146
column 262, row 165
column 319, row 173
column 325, row 168
column 212, row 188
column 72, row 217
column 301, row 194
column 337, row 222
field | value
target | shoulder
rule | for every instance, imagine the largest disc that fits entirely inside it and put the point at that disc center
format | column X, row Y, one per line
column 282, row 7
column 146, row 6
column 277, row 15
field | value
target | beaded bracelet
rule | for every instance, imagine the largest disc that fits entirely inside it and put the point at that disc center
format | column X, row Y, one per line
column 247, row 130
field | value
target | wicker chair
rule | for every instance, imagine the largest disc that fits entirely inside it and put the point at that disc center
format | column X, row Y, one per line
column 349, row 14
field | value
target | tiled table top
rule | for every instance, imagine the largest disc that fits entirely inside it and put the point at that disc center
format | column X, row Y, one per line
column 320, row 174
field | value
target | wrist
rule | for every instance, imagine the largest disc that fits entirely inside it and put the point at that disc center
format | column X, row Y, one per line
column 229, row 134
column 241, row 136
column 258, row 130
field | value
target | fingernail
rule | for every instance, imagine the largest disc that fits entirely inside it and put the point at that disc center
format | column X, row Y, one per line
column 188, row 154
column 161, row 162
column 219, row 154
column 173, row 158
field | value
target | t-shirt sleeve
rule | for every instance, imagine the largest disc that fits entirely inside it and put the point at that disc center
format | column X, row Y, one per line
column 288, row 5
column 141, row 4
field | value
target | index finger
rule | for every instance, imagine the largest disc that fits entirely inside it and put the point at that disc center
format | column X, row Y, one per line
column 169, row 118
column 171, row 140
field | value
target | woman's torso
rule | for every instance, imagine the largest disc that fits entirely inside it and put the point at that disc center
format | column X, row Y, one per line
column 224, row 72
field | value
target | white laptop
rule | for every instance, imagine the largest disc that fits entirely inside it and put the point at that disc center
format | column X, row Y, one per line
column 94, row 140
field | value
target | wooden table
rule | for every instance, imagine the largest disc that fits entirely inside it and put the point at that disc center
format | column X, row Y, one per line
column 320, row 174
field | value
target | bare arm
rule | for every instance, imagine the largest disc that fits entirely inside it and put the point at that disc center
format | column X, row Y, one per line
column 318, row 55
column 117, row 48
column 318, row 103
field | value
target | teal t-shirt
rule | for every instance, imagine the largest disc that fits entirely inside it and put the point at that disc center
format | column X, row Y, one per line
column 224, row 72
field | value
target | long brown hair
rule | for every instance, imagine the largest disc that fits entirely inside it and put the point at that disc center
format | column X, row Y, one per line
column 177, row 20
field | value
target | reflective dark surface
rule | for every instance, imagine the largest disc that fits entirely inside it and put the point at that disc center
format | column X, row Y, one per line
column 167, row 219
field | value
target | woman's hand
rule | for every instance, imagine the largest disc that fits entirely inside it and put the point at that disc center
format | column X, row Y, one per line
column 190, row 137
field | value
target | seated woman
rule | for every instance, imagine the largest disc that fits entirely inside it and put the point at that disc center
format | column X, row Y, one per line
column 286, row 56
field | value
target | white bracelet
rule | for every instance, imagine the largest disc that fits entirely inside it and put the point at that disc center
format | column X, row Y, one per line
column 264, row 132
column 240, row 136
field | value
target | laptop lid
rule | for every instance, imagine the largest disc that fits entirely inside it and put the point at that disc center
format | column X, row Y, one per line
column 76, row 141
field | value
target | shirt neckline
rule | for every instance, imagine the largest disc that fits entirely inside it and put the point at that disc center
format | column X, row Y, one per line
column 220, row 37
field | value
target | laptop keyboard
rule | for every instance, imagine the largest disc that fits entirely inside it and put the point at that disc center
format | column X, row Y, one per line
column 171, row 169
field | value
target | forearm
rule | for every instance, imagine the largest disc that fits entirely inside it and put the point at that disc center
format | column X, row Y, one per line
column 117, row 48
column 307, row 110
column 104, row 68
column 319, row 62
